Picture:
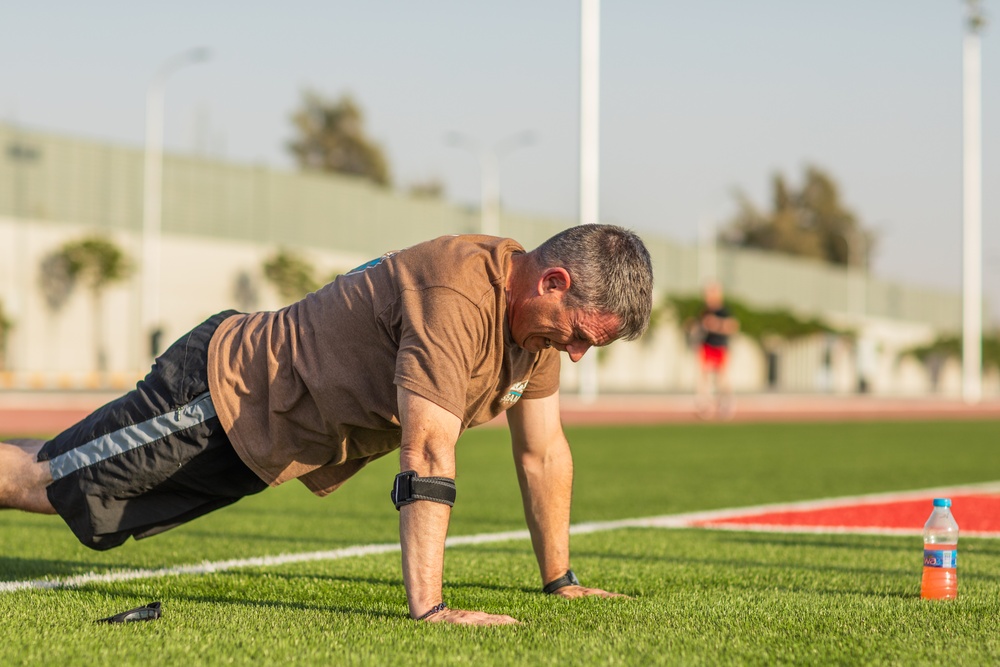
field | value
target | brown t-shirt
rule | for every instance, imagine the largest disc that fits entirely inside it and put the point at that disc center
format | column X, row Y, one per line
column 309, row 391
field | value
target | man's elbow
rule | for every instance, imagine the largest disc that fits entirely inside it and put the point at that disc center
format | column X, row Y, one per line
column 427, row 461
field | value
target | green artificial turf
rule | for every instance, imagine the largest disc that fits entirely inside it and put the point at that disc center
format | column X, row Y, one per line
column 699, row 597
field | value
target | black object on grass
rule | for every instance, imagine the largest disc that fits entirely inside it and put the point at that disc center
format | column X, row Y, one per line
column 150, row 612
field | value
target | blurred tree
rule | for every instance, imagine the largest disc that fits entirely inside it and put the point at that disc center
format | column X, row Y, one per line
column 810, row 222
column 331, row 137
column 93, row 261
column 292, row 275
column 758, row 324
column 950, row 347
column 6, row 324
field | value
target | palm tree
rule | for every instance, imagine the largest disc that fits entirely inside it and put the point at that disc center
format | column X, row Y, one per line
column 97, row 263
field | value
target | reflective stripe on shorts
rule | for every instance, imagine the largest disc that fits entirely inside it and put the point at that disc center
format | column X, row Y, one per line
column 199, row 410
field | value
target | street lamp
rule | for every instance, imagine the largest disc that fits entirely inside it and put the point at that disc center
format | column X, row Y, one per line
column 489, row 168
column 20, row 154
column 152, row 199
column 856, row 270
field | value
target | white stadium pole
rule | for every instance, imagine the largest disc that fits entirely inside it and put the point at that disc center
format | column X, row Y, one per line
column 590, row 89
column 152, row 199
column 590, row 97
column 972, row 259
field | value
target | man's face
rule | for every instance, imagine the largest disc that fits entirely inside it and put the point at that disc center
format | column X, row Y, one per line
column 713, row 295
column 544, row 322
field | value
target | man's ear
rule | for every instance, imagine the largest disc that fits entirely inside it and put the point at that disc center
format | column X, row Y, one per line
column 555, row 279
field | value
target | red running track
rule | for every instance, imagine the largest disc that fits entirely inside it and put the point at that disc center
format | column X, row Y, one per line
column 47, row 413
column 975, row 514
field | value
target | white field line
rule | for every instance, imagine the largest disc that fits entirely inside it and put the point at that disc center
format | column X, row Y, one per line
column 686, row 520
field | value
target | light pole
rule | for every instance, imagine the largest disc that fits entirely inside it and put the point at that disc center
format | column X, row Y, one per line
column 21, row 154
column 489, row 169
column 152, row 199
column 590, row 97
column 856, row 270
column 972, row 236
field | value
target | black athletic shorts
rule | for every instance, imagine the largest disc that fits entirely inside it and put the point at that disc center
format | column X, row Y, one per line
column 152, row 459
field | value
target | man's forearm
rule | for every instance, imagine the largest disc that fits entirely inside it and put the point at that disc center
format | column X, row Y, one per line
column 547, row 489
column 428, row 449
column 423, row 527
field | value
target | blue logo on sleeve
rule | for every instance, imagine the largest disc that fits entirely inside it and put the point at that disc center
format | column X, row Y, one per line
column 372, row 263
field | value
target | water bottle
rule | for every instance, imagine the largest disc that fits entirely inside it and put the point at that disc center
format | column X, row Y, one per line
column 940, row 580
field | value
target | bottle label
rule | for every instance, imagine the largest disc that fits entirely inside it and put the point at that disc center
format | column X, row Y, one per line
column 938, row 558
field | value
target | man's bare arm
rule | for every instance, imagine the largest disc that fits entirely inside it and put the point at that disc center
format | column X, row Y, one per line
column 545, row 472
column 428, row 448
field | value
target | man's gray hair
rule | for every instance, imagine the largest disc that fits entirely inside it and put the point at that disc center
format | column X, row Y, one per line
column 610, row 271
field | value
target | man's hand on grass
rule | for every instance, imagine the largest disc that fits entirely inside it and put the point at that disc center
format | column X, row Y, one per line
column 573, row 592
column 465, row 617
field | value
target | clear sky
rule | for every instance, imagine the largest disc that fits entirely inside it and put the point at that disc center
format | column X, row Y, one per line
column 698, row 99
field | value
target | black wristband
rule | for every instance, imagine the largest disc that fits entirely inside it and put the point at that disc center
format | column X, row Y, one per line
column 433, row 610
column 568, row 579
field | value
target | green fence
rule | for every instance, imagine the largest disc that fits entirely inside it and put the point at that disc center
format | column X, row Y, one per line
column 52, row 179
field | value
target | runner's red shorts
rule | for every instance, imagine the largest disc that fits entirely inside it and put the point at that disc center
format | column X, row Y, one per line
column 713, row 358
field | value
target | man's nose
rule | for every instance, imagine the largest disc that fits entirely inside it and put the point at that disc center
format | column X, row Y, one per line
column 576, row 351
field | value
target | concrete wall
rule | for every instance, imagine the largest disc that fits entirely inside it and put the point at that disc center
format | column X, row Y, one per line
column 220, row 222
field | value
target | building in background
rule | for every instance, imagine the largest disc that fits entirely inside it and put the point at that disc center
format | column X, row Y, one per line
column 221, row 222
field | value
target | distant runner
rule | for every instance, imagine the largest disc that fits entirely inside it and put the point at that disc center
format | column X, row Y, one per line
column 715, row 394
